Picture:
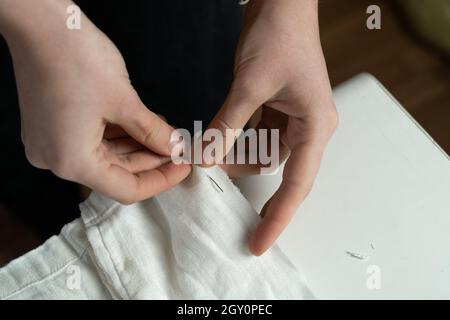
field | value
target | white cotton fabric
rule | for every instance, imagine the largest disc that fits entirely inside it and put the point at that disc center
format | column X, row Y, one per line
column 187, row 243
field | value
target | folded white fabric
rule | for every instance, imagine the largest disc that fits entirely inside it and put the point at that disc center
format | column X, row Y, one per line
column 187, row 243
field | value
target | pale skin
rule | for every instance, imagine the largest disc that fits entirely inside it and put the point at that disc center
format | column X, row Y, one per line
column 82, row 119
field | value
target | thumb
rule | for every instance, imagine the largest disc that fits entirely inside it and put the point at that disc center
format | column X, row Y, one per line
column 145, row 127
column 243, row 99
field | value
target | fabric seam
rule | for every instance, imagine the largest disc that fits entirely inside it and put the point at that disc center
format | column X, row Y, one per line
column 112, row 261
column 46, row 277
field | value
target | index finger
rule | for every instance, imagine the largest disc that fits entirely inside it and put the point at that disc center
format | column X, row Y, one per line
column 119, row 184
column 298, row 177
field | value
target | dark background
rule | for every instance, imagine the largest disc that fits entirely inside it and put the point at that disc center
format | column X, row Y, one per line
column 196, row 40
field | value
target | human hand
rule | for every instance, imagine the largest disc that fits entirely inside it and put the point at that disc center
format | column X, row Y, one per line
column 280, row 65
column 81, row 117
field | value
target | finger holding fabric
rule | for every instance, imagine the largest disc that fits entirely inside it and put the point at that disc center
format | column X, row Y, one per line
column 280, row 65
column 81, row 117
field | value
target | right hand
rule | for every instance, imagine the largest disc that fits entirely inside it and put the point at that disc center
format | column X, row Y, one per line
column 81, row 117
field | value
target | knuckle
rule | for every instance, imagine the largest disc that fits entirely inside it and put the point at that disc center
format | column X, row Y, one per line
column 61, row 168
column 325, row 122
column 331, row 118
column 58, row 159
column 128, row 105
column 248, row 91
column 151, row 130
column 33, row 157
column 66, row 166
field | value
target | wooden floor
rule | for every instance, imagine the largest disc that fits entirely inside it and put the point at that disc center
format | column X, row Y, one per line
column 416, row 75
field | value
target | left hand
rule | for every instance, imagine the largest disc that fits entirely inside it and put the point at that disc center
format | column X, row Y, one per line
column 280, row 65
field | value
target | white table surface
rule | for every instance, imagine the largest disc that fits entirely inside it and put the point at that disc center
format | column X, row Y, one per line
column 383, row 192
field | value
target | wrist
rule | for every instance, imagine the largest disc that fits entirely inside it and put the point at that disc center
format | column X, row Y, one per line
column 30, row 21
column 281, row 10
column 39, row 33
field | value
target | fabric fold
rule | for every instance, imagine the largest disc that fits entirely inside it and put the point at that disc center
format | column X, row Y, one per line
column 187, row 243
